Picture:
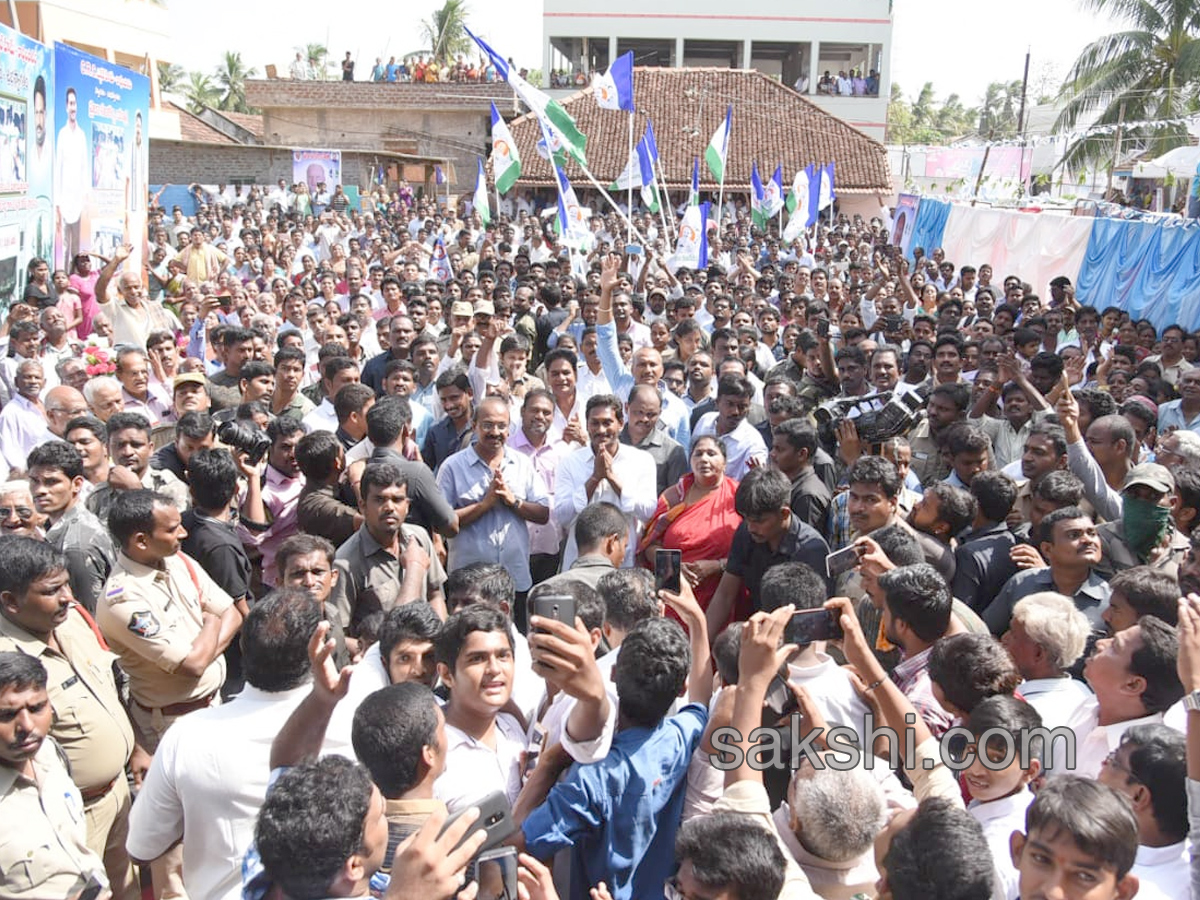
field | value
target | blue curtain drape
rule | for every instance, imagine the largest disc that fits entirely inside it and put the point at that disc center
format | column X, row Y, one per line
column 1152, row 270
column 930, row 225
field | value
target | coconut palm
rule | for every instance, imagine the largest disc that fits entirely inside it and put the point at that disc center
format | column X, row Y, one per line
column 316, row 55
column 170, row 77
column 231, row 78
column 445, row 32
column 201, row 92
column 1151, row 69
column 1001, row 103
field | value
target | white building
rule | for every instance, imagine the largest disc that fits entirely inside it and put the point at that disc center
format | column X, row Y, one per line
column 795, row 41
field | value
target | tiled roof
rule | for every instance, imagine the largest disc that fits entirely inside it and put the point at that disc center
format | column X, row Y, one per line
column 251, row 122
column 771, row 123
column 196, row 130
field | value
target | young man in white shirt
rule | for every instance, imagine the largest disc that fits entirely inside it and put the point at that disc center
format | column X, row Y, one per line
column 1150, row 769
column 475, row 660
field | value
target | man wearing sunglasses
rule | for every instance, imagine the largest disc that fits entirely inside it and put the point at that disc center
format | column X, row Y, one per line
column 18, row 516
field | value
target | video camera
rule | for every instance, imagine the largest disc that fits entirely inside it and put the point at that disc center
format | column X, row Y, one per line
column 881, row 415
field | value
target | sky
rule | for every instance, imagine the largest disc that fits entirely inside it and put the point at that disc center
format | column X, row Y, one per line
column 960, row 47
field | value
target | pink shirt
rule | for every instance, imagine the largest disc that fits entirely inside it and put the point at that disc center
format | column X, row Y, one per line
column 281, row 495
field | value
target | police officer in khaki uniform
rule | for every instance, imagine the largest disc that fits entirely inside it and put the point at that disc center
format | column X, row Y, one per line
column 39, row 618
column 168, row 623
column 163, row 616
column 43, row 842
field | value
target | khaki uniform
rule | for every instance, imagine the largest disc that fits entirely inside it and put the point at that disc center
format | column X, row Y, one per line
column 93, row 729
column 927, row 463
column 43, row 844
column 151, row 617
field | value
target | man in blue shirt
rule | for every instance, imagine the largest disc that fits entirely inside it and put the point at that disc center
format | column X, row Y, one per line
column 621, row 815
column 495, row 491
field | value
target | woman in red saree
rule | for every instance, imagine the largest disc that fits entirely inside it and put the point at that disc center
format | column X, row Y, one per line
column 697, row 517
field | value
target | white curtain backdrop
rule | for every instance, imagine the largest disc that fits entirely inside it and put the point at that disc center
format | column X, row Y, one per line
column 1035, row 246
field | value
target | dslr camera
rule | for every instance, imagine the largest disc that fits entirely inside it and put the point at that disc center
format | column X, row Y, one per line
column 246, row 438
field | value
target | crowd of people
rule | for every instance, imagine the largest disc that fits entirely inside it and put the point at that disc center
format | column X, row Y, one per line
column 321, row 576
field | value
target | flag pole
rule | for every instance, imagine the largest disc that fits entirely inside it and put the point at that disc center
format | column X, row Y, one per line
column 604, row 193
column 629, row 196
column 721, row 193
column 664, row 200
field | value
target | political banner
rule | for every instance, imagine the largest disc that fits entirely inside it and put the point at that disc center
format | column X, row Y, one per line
column 26, row 160
column 315, row 167
column 101, row 157
column 903, row 220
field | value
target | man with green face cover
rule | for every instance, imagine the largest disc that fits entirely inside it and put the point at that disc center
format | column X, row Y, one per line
column 1146, row 534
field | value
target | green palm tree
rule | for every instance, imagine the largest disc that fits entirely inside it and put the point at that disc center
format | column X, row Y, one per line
column 445, row 32
column 201, row 92
column 1151, row 70
column 170, row 77
column 231, row 78
column 316, row 55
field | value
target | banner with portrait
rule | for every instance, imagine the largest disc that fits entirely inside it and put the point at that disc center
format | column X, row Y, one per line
column 26, row 153
column 314, row 167
column 101, row 157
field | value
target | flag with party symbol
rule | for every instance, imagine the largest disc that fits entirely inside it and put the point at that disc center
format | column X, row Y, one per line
column 506, row 161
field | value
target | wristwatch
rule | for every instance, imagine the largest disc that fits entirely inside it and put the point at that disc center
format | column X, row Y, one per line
column 1191, row 702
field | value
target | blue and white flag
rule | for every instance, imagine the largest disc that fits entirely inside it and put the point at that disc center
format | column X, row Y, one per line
column 614, row 89
column 439, row 177
column 826, row 195
column 694, row 196
column 559, row 131
column 439, row 262
column 479, row 202
column 758, row 214
column 773, row 194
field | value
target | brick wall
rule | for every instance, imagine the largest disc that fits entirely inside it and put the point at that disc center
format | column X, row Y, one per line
column 175, row 162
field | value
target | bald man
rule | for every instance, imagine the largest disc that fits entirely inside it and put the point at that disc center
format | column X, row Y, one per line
column 63, row 403
column 133, row 315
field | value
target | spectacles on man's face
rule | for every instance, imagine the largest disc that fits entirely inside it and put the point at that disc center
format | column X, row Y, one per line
column 24, row 513
column 1113, row 763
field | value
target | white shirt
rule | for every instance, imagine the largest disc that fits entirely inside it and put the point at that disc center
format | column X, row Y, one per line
column 638, row 498
column 1057, row 700
column 742, row 445
column 830, row 688
column 999, row 819
column 22, row 427
column 1162, row 871
column 323, row 418
column 208, row 780
column 474, row 770
column 589, row 385
column 1093, row 741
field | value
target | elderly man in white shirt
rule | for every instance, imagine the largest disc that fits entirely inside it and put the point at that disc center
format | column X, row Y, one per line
column 1045, row 638
column 23, row 423
column 605, row 470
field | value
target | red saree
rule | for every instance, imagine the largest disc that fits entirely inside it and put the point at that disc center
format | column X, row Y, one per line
column 701, row 530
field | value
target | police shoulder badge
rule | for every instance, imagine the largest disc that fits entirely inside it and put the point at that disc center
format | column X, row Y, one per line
column 143, row 624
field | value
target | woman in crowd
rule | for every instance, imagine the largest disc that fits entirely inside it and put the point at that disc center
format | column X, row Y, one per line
column 697, row 517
